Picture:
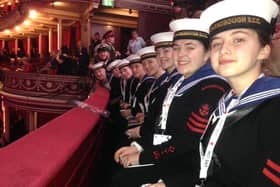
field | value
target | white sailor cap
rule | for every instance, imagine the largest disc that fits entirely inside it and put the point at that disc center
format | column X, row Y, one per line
column 96, row 66
column 162, row 39
column 230, row 14
column 124, row 62
column 113, row 64
column 134, row 58
column 189, row 28
column 147, row 52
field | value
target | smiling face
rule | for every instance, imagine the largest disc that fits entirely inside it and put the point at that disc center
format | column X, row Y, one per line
column 237, row 54
column 189, row 55
column 126, row 73
column 137, row 70
column 100, row 74
column 165, row 58
column 103, row 55
column 151, row 66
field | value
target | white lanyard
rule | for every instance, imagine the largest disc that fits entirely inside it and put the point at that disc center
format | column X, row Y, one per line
column 123, row 85
column 130, row 94
column 167, row 102
column 147, row 97
column 136, row 89
column 153, row 88
column 111, row 78
column 207, row 156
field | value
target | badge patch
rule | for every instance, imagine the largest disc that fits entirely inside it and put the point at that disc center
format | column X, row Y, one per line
column 204, row 110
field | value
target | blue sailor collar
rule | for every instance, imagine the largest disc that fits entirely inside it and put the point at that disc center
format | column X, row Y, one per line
column 174, row 76
column 146, row 77
column 263, row 89
column 205, row 72
column 161, row 80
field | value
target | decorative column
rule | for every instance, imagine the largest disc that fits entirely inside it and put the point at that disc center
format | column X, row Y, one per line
column 16, row 46
column 59, row 34
column 3, row 44
column 35, row 120
column 40, row 45
column 86, row 32
column 50, row 40
column 32, row 119
column 6, row 120
column 28, row 46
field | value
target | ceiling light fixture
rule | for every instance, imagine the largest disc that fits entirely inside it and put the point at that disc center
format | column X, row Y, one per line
column 33, row 14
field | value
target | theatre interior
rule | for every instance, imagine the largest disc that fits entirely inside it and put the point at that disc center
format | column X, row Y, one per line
column 53, row 124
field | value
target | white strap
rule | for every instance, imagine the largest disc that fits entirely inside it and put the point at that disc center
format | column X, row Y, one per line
column 147, row 101
column 205, row 158
column 123, row 85
column 130, row 90
column 167, row 102
column 134, row 96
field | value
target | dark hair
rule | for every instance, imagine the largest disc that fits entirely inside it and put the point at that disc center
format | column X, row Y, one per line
column 263, row 36
column 180, row 3
column 205, row 44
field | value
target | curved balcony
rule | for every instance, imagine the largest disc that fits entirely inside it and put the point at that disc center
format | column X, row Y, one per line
column 38, row 94
column 42, row 92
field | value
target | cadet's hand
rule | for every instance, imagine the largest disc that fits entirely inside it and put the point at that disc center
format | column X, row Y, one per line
column 124, row 105
column 126, row 113
column 123, row 151
column 134, row 132
column 140, row 117
column 130, row 160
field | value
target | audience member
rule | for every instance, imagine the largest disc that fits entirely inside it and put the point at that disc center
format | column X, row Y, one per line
column 135, row 43
column 65, row 62
column 94, row 42
column 82, row 58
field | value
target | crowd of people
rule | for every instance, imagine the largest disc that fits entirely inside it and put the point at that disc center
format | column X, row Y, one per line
column 196, row 108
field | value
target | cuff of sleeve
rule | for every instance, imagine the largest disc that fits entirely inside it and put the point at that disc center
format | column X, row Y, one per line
column 137, row 146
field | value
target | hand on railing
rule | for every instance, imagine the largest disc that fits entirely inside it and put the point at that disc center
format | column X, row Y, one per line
column 91, row 108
